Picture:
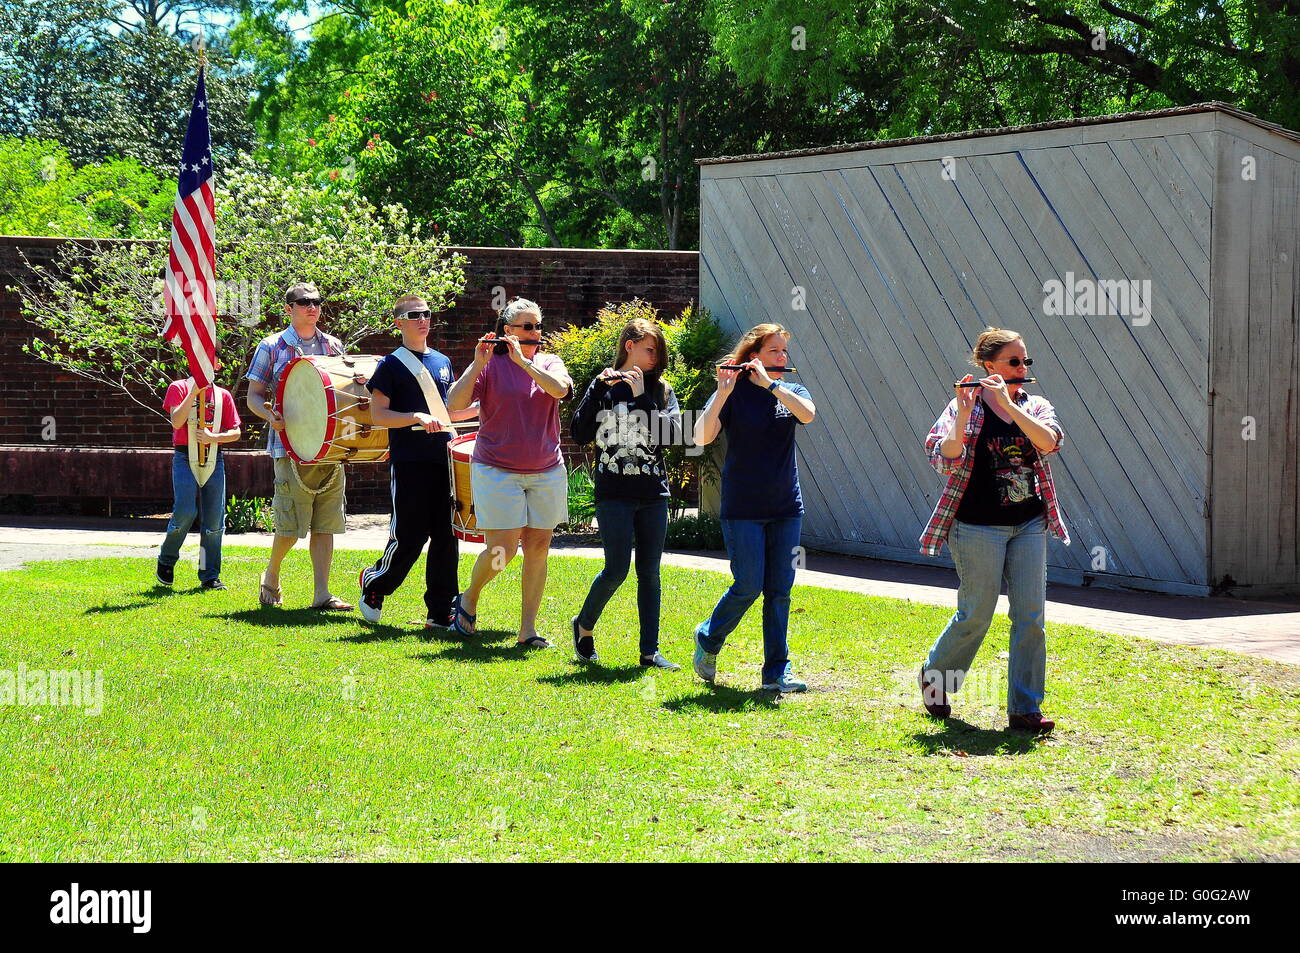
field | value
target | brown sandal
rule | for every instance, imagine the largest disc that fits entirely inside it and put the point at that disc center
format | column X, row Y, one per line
column 333, row 604
column 270, row 595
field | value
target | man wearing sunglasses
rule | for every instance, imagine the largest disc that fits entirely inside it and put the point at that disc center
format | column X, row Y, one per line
column 308, row 500
column 408, row 395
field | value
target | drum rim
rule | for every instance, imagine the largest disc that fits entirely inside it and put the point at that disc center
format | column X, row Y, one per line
column 331, row 422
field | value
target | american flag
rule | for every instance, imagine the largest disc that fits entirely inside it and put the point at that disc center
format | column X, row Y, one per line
column 190, row 295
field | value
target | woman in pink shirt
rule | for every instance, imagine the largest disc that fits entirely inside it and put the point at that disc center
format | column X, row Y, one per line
column 521, row 489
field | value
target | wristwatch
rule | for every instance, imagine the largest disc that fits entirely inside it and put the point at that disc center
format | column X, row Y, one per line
column 773, row 386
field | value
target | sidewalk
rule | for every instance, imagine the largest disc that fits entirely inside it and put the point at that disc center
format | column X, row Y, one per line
column 1267, row 630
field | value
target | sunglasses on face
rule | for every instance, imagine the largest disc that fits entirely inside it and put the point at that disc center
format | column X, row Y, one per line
column 417, row 315
column 1015, row 362
column 527, row 326
column 308, row 302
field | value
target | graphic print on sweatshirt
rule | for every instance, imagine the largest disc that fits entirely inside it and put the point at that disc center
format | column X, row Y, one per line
column 623, row 440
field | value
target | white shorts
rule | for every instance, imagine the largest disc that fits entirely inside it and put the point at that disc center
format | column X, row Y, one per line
column 506, row 500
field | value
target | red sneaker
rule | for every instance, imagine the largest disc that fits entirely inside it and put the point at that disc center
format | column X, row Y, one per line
column 1034, row 722
column 933, row 697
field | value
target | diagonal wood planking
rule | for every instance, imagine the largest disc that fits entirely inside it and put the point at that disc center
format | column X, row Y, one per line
column 902, row 266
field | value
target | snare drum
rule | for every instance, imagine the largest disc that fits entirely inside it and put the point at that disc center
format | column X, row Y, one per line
column 327, row 413
column 463, row 522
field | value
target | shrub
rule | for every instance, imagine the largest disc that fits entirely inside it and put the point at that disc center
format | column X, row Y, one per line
column 582, row 500
column 695, row 532
column 252, row 515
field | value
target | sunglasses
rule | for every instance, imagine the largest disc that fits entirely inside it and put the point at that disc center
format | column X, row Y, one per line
column 308, row 302
column 417, row 315
column 527, row 326
column 1015, row 362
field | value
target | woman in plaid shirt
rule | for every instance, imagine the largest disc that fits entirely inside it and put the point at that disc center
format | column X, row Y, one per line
column 991, row 442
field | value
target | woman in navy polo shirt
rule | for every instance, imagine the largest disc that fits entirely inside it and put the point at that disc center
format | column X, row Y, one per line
column 762, row 509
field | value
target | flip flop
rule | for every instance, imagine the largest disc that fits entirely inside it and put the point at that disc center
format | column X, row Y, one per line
column 460, row 611
column 534, row 642
column 333, row 604
column 270, row 595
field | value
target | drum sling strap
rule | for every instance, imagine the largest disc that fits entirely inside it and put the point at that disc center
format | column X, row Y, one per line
column 422, row 377
column 434, row 402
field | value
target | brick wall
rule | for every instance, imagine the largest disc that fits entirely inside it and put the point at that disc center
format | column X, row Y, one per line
column 570, row 284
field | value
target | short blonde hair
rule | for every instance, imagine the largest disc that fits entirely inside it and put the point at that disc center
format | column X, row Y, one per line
column 405, row 299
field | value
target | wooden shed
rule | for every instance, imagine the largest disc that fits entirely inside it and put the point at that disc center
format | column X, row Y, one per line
column 1150, row 261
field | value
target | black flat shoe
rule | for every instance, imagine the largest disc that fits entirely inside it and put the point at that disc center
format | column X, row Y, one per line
column 584, row 646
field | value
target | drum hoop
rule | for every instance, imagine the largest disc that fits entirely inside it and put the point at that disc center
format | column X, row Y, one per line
column 331, row 405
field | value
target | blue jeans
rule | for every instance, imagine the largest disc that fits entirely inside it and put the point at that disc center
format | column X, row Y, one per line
column 987, row 557
column 187, row 496
column 763, row 556
column 623, row 523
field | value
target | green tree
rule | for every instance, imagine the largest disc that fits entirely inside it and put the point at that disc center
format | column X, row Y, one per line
column 520, row 121
column 440, row 117
column 995, row 62
column 98, row 310
column 73, row 73
column 43, row 193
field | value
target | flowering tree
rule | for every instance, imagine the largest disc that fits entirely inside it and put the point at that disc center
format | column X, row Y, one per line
column 99, row 307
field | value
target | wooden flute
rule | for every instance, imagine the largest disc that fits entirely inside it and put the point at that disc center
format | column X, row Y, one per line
column 522, row 341
column 1014, row 380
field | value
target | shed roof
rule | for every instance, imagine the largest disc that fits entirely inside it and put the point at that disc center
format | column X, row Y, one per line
column 1055, row 124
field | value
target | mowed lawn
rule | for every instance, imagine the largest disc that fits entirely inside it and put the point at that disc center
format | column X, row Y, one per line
column 232, row 732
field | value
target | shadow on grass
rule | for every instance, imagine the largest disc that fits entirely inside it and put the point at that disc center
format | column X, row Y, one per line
column 484, row 646
column 380, row 632
column 720, row 698
column 280, row 617
column 594, row 675
column 958, row 735
column 153, row 594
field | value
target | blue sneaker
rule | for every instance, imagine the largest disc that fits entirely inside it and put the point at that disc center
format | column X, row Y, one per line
column 706, row 663
column 786, row 683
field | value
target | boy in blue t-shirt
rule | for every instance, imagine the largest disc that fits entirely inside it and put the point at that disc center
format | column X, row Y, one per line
column 419, row 480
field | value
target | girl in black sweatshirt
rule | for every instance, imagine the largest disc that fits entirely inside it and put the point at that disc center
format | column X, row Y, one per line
column 631, row 413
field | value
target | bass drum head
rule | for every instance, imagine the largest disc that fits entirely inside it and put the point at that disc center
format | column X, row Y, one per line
column 306, row 411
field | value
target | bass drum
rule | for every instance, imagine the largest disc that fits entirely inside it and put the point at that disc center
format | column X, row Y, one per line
column 464, row 524
column 327, row 411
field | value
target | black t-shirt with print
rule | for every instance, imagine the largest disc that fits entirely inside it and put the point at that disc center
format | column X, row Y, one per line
column 1003, row 489
column 630, row 434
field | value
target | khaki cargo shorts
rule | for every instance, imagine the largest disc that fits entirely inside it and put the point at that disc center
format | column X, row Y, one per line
column 308, row 499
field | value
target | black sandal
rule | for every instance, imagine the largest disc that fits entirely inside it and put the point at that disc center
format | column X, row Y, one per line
column 534, row 642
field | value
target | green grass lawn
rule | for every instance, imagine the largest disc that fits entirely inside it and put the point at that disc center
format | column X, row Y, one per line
column 232, row 732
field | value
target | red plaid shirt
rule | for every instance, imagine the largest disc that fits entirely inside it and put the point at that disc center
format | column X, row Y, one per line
column 958, row 470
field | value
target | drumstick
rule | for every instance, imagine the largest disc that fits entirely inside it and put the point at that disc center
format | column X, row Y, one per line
column 451, row 427
column 745, row 367
column 1014, row 380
